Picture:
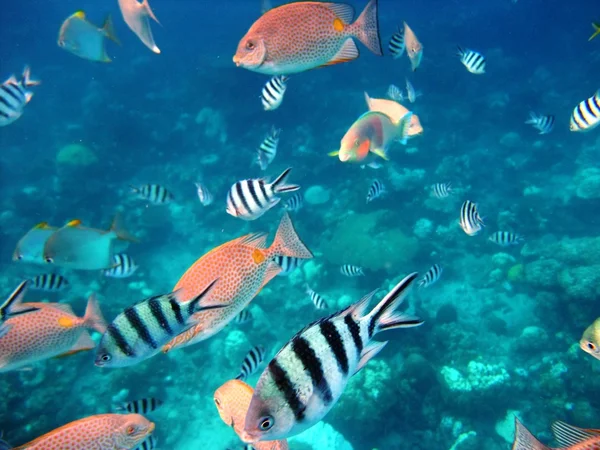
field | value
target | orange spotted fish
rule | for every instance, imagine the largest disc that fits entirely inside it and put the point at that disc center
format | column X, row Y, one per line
column 232, row 400
column 242, row 267
column 301, row 36
column 567, row 436
column 53, row 330
column 101, row 432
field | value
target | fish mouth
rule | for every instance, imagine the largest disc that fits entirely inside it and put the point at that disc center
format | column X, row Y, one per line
column 151, row 428
column 343, row 157
column 247, row 437
column 236, row 60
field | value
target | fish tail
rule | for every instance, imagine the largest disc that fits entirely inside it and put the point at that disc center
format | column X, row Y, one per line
column 597, row 32
column 366, row 28
column 93, row 317
column 279, row 184
column 385, row 317
column 459, row 51
column 524, row 440
column 533, row 118
column 109, row 30
column 287, row 242
column 7, row 309
column 26, row 80
column 118, row 228
column 403, row 126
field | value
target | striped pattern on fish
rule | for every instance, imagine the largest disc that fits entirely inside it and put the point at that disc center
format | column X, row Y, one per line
column 251, row 362
column 141, row 406
column 586, row 115
column 14, row 96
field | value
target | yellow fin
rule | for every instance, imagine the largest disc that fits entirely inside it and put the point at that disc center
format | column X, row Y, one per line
column 348, row 52
column 334, row 153
column 42, row 225
column 66, row 322
column 379, row 152
column 79, row 14
column 597, row 32
column 73, row 223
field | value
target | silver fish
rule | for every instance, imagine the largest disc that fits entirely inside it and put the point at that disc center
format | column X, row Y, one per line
column 295, row 203
column 586, row 115
column 85, row 39
column 30, row 247
column 474, row 61
column 204, row 195
column 376, row 190
column 268, row 148
column 49, row 282
column 14, row 96
column 506, row 238
column 351, row 271
column 153, row 193
column 123, row 266
column 544, row 124
column 317, row 299
column 141, row 406
column 470, row 220
column 441, row 190
column 273, row 92
column 432, row 275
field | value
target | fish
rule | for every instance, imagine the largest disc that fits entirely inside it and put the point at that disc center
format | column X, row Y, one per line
column 431, row 276
column 12, row 307
column 300, row 36
column 204, row 195
column 84, row 39
column 268, row 148
column 139, row 332
column 586, row 115
column 288, row 264
column 102, row 431
column 411, row 93
column 77, row 247
column 14, row 96
column 505, row 238
column 352, row 271
column 53, row 330
column 397, row 44
column 376, row 190
column 250, row 199
column 49, row 282
column 141, row 406
column 395, row 93
column 273, row 92
column 251, row 362
column 243, row 317
column 136, row 15
column 470, row 220
column 149, row 444
column 244, row 266
column 544, row 124
column 474, row 61
column 397, row 113
column 590, row 341
column 441, row 190
column 596, row 31
column 153, row 193
column 232, row 400
column 317, row 299
column 30, row 247
column 414, row 49
column 123, row 266
column 294, row 203
column 310, row 373
column 567, row 436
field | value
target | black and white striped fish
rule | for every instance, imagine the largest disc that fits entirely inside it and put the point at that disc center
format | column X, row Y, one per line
column 432, row 275
column 351, row 271
column 251, row 362
column 397, row 44
column 395, row 93
column 244, row 316
column 411, row 93
column 472, row 60
column 49, row 282
column 288, row 264
column 123, row 266
column 317, row 299
column 441, row 190
column 250, row 199
column 309, row 374
column 141, row 406
column 153, row 193
column 376, row 190
column 544, row 124
column 204, row 195
column 141, row 330
column 273, row 91
column 14, row 96
column 470, row 220
column 586, row 115
column 506, row 238
column 295, row 203
column 268, row 148
column 149, row 443
column 12, row 307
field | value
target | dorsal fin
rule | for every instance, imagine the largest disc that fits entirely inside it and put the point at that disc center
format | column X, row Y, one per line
column 568, row 435
column 255, row 240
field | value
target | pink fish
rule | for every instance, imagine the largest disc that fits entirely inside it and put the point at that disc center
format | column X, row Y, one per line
column 136, row 15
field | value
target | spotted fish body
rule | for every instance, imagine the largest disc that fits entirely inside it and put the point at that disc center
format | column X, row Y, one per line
column 100, row 432
column 243, row 267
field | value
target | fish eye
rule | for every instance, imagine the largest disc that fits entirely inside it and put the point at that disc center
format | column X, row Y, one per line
column 591, row 346
column 130, row 430
column 49, row 260
column 250, row 45
column 105, row 357
column 266, row 423
column 19, row 257
column 217, row 402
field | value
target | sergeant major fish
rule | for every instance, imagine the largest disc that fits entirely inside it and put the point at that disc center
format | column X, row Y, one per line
column 470, row 220
column 376, row 190
column 441, row 190
column 49, row 282
column 273, row 92
column 153, row 193
column 474, row 61
column 294, row 203
column 431, row 276
column 349, row 270
column 317, row 299
column 84, row 39
column 204, row 195
column 251, row 362
column 544, row 124
column 288, row 264
column 586, row 115
column 14, row 96
column 142, row 406
column 123, row 266
column 268, row 148
column 505, row 238
column 397, row 44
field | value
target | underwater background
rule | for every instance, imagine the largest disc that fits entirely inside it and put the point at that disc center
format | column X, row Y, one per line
column 502, row 325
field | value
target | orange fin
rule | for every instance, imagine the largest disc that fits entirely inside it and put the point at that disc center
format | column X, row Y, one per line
column 348, row 52
column 83, row 344
column 569, row 436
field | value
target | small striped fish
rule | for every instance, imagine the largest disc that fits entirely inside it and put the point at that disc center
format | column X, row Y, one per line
column 432, row 275
column 472, row 60
column 141, row 406
column 376, row 190
column 124, row 266
column 295, row 203
column 351, row 271
column 143, row 329
column 586, row 115
column 11, row 307
column 288, row 264
column 544, row 124
column 506, row 238
column 14, row 96
column 268, row 148
column 251, row 362
column 397, row 45
column 310, row 373
column 244, row 316
column 204, row 195
column 153, row 193
column 395, row 93
column 250, row 199
column 441, row 190
column 411, row 93
column 273, row 91
column 49, row 282
column 317, row 299
column 470, row 220
column 149, row 444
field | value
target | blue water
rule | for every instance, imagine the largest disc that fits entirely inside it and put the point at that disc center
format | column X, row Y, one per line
column 516, row 314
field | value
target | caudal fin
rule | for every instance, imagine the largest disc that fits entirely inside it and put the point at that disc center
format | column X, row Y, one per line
column 366, row 28
column 524, row 440
column 403, row 127
column 279, row 185
column 26, row 80
column 93, row 316
column 287, row 242
column 118, row 228
column 109, row 30
column 597, row 32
